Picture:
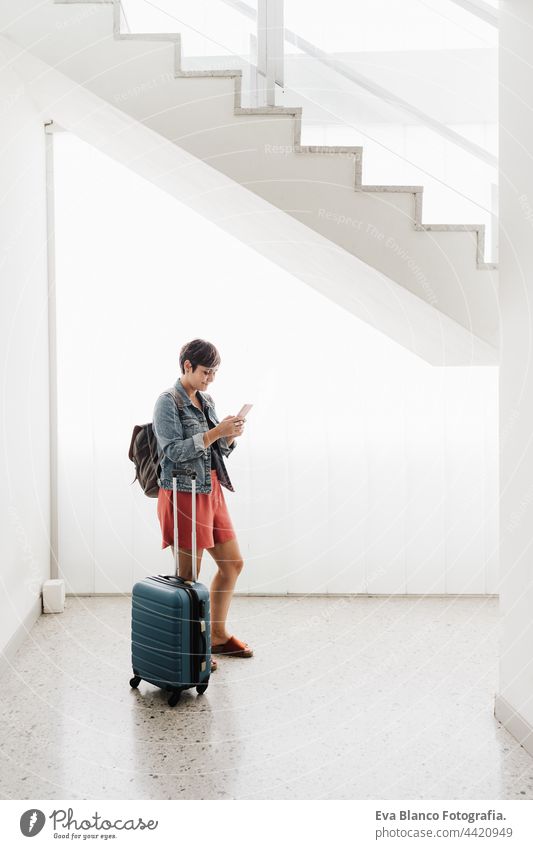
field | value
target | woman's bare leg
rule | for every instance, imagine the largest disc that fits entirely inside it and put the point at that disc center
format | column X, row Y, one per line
column 228, row 557
column 185, row 561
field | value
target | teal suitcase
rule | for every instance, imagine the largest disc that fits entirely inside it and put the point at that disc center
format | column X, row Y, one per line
column 170, row 625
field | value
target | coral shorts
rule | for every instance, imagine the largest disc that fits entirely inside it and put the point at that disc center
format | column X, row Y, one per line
column 213, row 522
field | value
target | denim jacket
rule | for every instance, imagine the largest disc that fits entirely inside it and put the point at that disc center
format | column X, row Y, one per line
column 181, row 442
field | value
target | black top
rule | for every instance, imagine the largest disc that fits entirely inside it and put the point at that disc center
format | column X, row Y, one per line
column 216, row 455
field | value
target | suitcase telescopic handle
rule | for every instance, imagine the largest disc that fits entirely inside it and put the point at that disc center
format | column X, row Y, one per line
column 192, row 475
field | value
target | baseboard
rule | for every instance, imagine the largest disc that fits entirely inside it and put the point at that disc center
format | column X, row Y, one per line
column 514, row 723
column 368, row 595
column 316, row 595
column 10, row 649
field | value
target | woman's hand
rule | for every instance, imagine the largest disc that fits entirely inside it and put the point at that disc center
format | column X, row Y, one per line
column 230, row 427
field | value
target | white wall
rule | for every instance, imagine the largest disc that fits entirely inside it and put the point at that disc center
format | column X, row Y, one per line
column 24, row 458
column 362, row 469
column 514, row 704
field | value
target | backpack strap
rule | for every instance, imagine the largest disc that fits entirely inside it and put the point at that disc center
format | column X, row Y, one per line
column 177, row 397
column 136, row 430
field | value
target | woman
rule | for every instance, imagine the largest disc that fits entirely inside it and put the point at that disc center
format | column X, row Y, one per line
column 189, row 435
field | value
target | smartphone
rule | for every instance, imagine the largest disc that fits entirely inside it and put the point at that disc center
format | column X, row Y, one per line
column 244, row 411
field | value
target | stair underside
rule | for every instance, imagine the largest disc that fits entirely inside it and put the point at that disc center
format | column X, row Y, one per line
column 322, row 187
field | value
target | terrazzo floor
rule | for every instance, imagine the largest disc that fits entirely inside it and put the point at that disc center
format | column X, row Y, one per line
column 345, row 698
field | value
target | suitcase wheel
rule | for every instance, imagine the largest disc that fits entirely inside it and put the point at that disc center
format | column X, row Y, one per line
column 135, row 681
column 201, row 688
column 174, row 698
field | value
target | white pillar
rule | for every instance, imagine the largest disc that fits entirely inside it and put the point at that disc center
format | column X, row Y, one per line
column 270, row 46
column 514, row 700
column 50, row 129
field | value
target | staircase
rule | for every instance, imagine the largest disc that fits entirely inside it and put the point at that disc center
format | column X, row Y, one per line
column 260, row 148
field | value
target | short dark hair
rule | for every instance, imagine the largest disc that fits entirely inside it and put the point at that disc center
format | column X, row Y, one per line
column 200, row 353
